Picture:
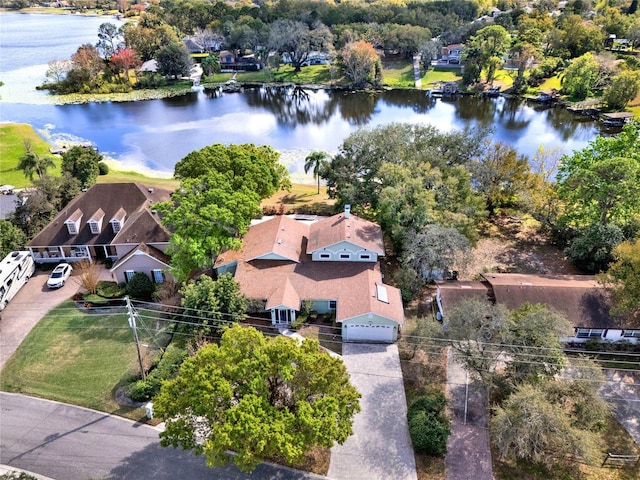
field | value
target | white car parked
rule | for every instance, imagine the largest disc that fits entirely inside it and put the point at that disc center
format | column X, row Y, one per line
column 59, row 275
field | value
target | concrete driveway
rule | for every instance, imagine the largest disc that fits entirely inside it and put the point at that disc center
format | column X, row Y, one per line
column 380, row 447
column 29, row 305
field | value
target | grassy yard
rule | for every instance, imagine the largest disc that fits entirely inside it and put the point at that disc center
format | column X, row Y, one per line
column 315, row 74
column 441, row 75
column 12, row 137
column 398, row 74
column 75, row 357
column 301, row 198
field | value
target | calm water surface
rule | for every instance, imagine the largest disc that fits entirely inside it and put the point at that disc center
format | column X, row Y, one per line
column 155, row 134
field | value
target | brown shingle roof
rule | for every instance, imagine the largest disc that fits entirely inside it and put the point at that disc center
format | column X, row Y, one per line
column 134, row 199
column 452, row 293
column 581, row 298
column 351, row 284
column 337, row 228
column 282, row 236
column 287, row 282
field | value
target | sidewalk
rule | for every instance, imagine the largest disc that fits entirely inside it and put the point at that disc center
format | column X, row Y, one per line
column 468, row 451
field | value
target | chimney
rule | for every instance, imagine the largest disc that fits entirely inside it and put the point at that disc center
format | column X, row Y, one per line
column 347, row 211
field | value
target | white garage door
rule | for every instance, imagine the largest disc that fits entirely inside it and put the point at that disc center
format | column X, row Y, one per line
column 372, row 333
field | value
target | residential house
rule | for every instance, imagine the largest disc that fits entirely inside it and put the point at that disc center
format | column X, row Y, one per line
column 229, row 61
column 109, row 221
column 580, row 298
column 452, row 54
column 332, row 263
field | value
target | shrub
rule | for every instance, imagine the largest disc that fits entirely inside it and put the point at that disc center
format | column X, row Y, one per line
column 111, row 289
column 103, row 168
column 428, row 426
column 429, row 433
column 140, row 286
column 166, row 369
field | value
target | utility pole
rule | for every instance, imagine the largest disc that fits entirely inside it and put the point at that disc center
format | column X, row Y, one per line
column 132, row 323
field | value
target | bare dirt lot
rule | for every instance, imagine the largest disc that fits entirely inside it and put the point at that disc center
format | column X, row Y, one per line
column 515, row 245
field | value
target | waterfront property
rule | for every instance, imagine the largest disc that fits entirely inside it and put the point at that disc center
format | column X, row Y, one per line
column 580, row 298
column 109, row 222
column 329, row 266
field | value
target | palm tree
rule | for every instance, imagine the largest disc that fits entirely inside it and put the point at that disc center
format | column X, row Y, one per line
column 31, row 163
column 313, row 161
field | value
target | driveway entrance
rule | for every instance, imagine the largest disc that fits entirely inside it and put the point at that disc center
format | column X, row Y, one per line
column 380, row 447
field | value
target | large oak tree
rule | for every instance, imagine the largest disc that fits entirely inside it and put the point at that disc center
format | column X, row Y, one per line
column 258, row 397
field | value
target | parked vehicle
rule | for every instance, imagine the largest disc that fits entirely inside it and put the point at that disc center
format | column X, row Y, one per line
column 59, row 275
column 15, row 270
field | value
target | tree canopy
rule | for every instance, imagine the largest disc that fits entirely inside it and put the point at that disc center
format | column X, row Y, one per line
column 545, row 422
column 206, row 215
column 600, row 184
column 254, row 167
column 82, row 163
column 623, row 277
column 11, row 238
column 485, row 335
column 407, row 176
column 220, row 192
column 210, row 302
column 258, row 397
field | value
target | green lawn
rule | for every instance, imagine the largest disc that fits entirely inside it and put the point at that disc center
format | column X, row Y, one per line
column 398, row 75
column 12, row 138
column 549, row 83
column 441, row 75
column 75, row 357
column 315, row 74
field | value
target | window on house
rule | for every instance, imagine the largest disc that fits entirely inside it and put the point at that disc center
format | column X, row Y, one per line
column 116, row 226
column 589, row 332
column 332, row 304
column 345, row 256
column 158, row 276
column 631, row 333
column 95, row 229
column 72, row 228
column 128, row 275
column 325, row 255
column 365, row 256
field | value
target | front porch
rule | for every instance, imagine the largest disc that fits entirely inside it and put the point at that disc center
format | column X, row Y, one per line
column 73, row 253
column 282, row 316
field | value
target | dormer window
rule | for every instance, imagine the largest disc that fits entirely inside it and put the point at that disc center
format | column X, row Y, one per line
column 95, row 222
column 118, row 220
column 73, row 222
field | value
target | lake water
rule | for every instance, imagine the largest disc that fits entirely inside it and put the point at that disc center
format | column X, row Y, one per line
column 155, row 134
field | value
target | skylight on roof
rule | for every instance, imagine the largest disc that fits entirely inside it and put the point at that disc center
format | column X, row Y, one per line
column 381, row 293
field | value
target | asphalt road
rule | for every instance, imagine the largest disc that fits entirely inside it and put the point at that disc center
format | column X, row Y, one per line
column 65, row 442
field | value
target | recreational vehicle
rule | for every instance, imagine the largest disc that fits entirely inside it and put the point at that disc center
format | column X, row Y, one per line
column 15, row 270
